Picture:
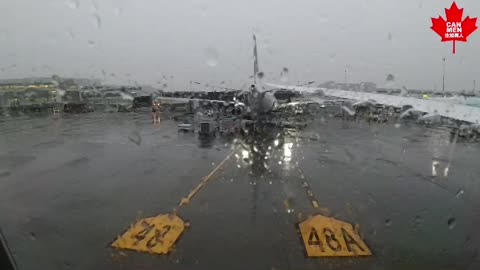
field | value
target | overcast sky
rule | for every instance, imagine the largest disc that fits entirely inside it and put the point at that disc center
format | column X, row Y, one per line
column 174, row 41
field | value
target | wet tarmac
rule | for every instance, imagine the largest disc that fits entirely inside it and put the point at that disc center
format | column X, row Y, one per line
column 70, row 184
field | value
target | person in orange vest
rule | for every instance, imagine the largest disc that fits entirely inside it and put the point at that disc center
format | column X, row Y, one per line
column 156, row 113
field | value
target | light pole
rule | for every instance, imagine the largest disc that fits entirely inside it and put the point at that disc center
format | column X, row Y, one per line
column 443, row 80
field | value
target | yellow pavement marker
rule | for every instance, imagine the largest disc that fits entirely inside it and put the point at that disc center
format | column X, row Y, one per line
column 329, row 237
column 158, row 234
column 204, row 181
column 154, row 234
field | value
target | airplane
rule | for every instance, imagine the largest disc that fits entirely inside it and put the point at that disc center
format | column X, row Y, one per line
column 257, row 100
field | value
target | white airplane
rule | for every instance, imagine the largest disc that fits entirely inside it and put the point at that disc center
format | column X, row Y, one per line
column 257, row 99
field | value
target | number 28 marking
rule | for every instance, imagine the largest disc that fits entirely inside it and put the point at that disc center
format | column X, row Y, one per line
column 157, row 238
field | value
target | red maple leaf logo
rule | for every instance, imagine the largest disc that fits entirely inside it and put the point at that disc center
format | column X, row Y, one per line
column 454, row 29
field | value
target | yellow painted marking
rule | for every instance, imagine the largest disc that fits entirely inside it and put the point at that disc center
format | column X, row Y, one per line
column 287, row 204
column 329, row 237
column 153, row 234
column 204, row 181
column 158, row 234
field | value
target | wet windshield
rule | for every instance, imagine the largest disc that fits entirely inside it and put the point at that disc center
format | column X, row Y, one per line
column 239, row 134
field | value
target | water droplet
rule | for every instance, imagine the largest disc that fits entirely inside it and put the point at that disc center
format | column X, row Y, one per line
column 397, row 125
column 118, row 11
column 91, row 43
column 390, row 81
column 451, row 223
column 70, row 33
column 33, row 236
column 73, row 4
column 388, row 222
column 135, row 138
column 459, row 193
column 97, row 21
column 284, row 75
column 212, row 57
column 389, row 36
column 417, row 221
column 260, row 75
column 332, row 57
column 94, row 5
column 60, row 92
column 322, row 18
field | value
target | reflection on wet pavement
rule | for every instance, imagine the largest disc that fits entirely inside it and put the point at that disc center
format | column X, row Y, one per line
column 71, row 183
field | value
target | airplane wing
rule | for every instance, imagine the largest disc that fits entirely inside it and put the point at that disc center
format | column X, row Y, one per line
column 455, row 111
column 173, row 99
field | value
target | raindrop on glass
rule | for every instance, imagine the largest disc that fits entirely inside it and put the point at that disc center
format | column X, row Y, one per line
column 118, row 11
column 260, row 75
column 389, row 36
column 70, row 33
column 459, row 193
column 332, row 57
column 322, row 18
column 91, row 43
column 73, row 4
column 211, row 57
column 135, row 138
column 94, row 5
column 451, row 223
column 388, row 222
column 284, row 75
column 418, row 220
column 97, row 21
column 390, row 81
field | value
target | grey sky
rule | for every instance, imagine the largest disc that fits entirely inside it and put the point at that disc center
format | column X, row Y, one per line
column 144, row 40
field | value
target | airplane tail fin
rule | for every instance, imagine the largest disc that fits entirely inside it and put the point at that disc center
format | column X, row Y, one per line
column 255, row 61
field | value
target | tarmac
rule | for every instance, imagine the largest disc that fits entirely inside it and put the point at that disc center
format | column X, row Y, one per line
column 70, row 184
